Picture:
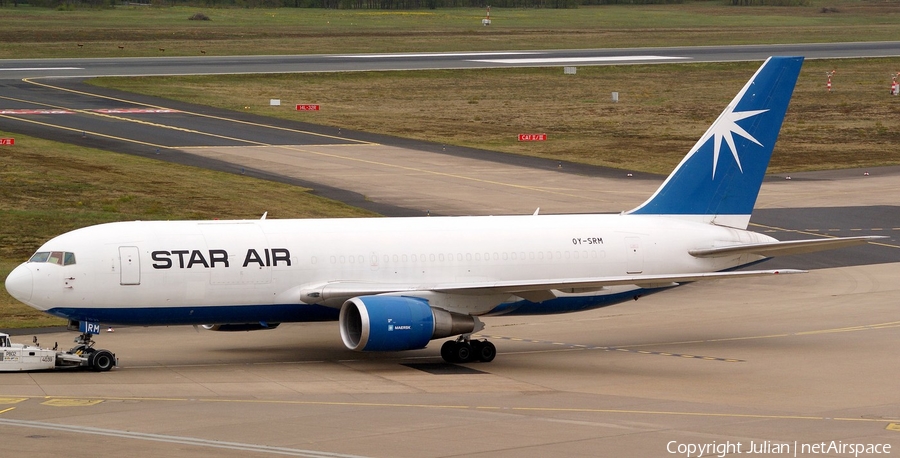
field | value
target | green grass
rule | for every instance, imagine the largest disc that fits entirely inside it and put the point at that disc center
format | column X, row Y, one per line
column 143, row 31
column 663, row 109
column 48, row 188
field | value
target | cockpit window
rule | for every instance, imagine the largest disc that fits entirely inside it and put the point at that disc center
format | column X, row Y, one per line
column 62, row 258
column 40, row 256
column 56, row 257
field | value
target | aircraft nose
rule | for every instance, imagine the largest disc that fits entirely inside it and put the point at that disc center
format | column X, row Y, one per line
column 20, row 283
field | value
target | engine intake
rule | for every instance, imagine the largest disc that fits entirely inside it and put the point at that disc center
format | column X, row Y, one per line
column 394, row 323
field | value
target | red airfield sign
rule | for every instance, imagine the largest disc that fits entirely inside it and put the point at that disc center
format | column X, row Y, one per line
column 532, row 137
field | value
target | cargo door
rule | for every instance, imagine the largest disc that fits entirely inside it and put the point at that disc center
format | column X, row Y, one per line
column 129, row 265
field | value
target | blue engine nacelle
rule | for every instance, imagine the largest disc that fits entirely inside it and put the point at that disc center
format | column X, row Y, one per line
column 393, row 323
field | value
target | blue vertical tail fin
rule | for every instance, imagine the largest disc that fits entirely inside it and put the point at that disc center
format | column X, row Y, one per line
column 719, row 179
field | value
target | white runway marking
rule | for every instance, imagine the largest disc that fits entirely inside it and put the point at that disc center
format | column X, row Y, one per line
column 576, row 60
column 30, row 69
column 437, row 54
column 174, row 439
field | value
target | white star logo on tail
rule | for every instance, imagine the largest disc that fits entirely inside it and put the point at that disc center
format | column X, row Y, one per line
column 724, row 129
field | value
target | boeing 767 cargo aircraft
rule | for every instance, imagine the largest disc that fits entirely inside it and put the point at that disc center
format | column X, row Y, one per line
column 398, row 283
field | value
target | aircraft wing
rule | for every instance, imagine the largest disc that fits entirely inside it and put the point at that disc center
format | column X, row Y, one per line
column 334, row 293
column 784, row 248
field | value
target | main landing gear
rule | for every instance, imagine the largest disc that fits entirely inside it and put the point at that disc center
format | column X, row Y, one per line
column 465, row 350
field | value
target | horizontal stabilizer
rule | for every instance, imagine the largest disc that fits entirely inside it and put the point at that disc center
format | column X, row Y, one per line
column 784, row 248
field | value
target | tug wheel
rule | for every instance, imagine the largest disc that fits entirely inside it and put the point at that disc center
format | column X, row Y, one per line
column 101, row 360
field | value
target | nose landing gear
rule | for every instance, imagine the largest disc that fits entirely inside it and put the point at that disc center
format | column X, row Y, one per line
column 98, row 360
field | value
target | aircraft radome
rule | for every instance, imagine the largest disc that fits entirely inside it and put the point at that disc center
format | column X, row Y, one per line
column 397, row 283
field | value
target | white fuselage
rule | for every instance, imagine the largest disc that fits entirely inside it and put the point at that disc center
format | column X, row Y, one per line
column 186, row 272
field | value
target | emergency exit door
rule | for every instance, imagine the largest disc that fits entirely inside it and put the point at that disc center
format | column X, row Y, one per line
column 634, row 257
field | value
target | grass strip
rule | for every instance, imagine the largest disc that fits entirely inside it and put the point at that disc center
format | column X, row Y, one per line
column 140, row 31
column 662, row 109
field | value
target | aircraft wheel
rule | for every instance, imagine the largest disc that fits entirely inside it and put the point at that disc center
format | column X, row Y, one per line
column 486, row 351
column 464, row 353
column 448, row 351
column 102, row 360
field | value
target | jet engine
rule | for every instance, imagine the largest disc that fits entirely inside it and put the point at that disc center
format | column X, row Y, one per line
column 393, row 323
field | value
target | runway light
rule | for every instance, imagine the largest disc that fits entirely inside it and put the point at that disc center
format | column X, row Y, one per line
column 865, row 174
column 787, row 177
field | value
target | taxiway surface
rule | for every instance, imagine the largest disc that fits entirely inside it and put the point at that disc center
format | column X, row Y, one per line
column 801, row 358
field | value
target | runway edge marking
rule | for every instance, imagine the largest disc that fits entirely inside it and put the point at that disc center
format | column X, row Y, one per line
column 249, row 123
